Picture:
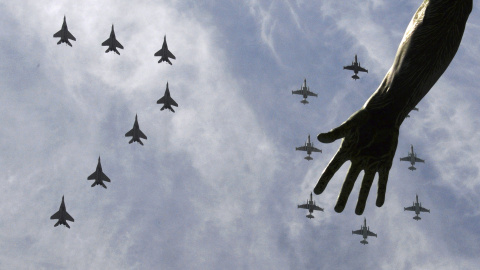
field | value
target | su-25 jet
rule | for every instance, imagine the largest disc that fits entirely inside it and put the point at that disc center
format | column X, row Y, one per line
column 98, row 176
column 417, row 207
column 167, row 101
column 112, row 43
column 62, row 215
column 365, row 232
column 136, row 133
column 305, row 92
column 309, row 148
column 414, row 109
column 356, row 68
column 164, row 52
column 412, row 157
column 64, row 34
column 310, row 205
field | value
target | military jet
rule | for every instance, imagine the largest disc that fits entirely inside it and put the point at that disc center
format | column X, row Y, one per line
column 62, row 215
column 310, row 205
column 414, row 109
column 417, row 207
column 365, row 232
column 112, row 43
column 167, row 101
column 412, row 157
column 136, row 133
column 309, row 148
column 305, row 92
column 64, row 34
column 98, row 176
column 164, row 52
column 356, row 68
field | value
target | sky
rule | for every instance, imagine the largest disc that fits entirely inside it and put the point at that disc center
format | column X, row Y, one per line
column 217, row 183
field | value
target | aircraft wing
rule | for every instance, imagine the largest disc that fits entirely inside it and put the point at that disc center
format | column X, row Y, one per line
column 56, row 215
column 129, row 134
column 172, row 102
column 301, row 148
column 105, row 177
column 311, row 94
column 58, row 34
column 106, row 42
column 169, row 54
column 317, row 208
column 297, row 92
column 68, row 217
column 411, row 208
column 316, row 149
column 141, row 135
column 405, row 159
column 424, row 210
column 92, row 176
column 162, row 100
column 419, row 160
column 304, row 206
column 70, row 36
column 117, row 44
column 348, row 67
column 369, row 233
column 362, row 69
column 357, row 232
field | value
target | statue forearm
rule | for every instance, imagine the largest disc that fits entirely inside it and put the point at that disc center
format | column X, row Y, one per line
column 429, row 44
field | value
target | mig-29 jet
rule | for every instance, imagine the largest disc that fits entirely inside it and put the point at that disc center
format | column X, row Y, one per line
column 365, row 232
column 64, row 34
column 62, row 215
column 167, row 101
column 305, row 92
column 136, row 133
column 309, row 148
column 414, row 109
column 356, row 68
column 98, row 176
column 412, row 157
column 112, row 43
column 164, row 52
column 417, row 207
column 310, row 205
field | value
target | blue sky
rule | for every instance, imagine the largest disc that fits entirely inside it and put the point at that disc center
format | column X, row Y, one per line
column 217, row 183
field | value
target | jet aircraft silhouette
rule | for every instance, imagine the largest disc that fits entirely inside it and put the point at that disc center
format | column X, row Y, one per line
column 136, row 133
column 412, row 157
column 167, row 101
column 112, row 43
column 414, row 109
column 305, row 92
column 64, row 34
column 356, row 68
column 164, row 52
column 98, row 176
column 365, row 232
column 310, row 205
column 417, row 207
column 309, row 148
column 62, row 215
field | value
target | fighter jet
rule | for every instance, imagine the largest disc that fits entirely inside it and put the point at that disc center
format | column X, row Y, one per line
column 167, row 101
column 62, row 215
column 64, row 34
column 412, row 157
column 310, row 205
column 112, row 43
column 136, row 133
column 98, row 176
column 417, row 207
column 164, row 52
column 304, row 91
column 414, row 109
column 309, row 148
column 365, row 232
column 356, row 68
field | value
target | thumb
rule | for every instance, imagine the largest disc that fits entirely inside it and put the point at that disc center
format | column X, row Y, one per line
column 341, row 131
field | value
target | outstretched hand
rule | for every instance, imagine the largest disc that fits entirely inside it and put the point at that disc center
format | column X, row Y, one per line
column 369, row 142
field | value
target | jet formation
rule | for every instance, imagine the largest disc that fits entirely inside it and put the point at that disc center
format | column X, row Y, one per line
column 164, row 53
column 62, row 215
column 112, row 43
column 355, row 66
column 136, row 133
column 417, row 207
column 309, row 148
column 310, row 205
column 167, row 101
column 64, row 34
column 98, row 176
column 365, row 232
column 305, row 92
column 412, row 157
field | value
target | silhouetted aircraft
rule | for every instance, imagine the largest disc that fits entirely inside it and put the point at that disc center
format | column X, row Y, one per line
column 167, row 101
column 136, row 133
column 304, row 91
column 64, row 34
column 62, row 215
column 309, row 148
column 414, row 109
column 412, row 158
column 417, row 207
column 365, row 232
column 164, row 52
column 98, row 176
column 112, row 43
column 310, row 205
column 356, row 68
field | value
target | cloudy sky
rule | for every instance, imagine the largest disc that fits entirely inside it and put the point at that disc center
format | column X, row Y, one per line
column 217, row 184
